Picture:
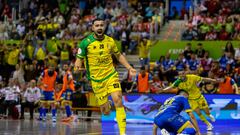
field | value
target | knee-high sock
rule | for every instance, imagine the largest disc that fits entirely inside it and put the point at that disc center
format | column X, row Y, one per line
column 121, row 119
column 54, row 112
column 44, row 112
column 40, row 112
column 68, row 110
column 203, row 119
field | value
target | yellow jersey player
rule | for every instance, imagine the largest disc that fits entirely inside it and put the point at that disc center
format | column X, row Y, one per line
column 196, row 100
column 96, row 51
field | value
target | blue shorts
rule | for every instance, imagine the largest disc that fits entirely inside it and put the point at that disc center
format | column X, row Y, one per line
column 172, row 122
column 47, row 96
column 67, row 95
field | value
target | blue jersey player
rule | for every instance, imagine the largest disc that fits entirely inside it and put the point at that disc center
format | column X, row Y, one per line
column 169, row 117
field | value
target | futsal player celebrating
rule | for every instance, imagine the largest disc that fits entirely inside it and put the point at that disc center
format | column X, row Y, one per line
column 96, row 50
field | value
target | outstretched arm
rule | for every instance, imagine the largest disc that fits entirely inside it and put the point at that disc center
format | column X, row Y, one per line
column 167, row 89
column 209, row 80
column 125, row 63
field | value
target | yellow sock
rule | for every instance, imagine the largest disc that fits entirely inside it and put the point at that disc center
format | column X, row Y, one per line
column 203, row 119
column 121, row 120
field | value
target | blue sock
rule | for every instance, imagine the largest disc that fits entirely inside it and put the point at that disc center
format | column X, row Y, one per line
column 40, row 112
column 44, row 111
column 68, row 110
column 189, row 131
column 54, row 112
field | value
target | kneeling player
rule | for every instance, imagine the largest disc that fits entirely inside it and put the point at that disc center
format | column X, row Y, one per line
column 169, row 117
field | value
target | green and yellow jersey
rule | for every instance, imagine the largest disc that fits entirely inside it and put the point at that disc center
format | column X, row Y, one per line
column 97, row 55
column 190, row 85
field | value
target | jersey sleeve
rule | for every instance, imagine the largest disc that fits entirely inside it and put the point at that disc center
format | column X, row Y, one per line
column 82, row 49
column 114, row 48
column 195, row 78
column 176, row 83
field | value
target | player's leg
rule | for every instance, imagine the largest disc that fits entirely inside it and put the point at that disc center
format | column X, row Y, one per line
column 195, row 105
column 53, row 103
column 202, row 118
column 43, row 106
column 189, row 130
column 120, row 111
column 67, row 102
column 177, row 124
column 205, row 108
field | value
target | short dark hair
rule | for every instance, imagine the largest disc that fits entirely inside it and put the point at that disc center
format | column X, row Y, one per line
column 97, row 19
column 181, row 90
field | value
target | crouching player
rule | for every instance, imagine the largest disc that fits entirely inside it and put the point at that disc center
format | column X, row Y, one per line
column 169, row 117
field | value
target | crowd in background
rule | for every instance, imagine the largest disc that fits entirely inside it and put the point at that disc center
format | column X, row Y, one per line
column 214, row 20
column 198, row 61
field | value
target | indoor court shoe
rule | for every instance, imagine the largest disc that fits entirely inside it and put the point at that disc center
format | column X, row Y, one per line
column 212, row 118
column 210, row 127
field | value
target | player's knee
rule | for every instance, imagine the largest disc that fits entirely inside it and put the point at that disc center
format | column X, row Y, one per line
column 118, row 102
column 189, row 131
column 105, row 111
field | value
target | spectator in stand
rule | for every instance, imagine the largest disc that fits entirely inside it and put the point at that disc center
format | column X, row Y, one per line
column 229, row 25
column 226, row 58
column 237, row 55
column 11, row 97
column 30, row 72
column 223, row 35
column 215, row 70
column 143, row 81
column 98, row 11
column 204, row 28
column 144, row 50
column 109, row 28
column 18, row 74
column 227, row 85
column 134, row 39
column 149, row 10
column 211, row 34
column 159, row 63
column 12, row 59
column 167, row 67
column 188, row 51
column 200, row 51
column 205, row 64
column 190, row 34
column 40, row 50
column 193, row 64
column 124, row 37
column 229, row 49
column 180, row 63
column 156, row 84
column 31, row 96
column 217, row 26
